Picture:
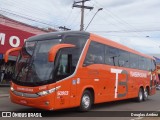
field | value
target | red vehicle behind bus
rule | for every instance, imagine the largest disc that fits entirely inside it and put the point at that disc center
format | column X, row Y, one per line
column 77, row 69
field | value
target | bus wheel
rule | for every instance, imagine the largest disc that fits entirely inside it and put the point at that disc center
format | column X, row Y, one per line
column 86, row 101
column 145, row 94
column 140, row 95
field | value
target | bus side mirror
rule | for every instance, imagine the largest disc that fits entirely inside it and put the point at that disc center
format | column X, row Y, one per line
column 53, row 51
column 9, row 51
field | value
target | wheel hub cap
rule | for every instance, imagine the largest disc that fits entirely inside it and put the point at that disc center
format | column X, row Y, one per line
column 86, row 101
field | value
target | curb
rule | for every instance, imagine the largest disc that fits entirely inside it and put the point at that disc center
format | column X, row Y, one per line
column 4, row 85
column 4, row 95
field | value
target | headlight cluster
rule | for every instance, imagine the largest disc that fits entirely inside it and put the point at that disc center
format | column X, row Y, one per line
column 42, row 93
column 12, row 89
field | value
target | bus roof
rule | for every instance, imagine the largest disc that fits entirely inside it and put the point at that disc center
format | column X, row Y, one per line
column 52, row 35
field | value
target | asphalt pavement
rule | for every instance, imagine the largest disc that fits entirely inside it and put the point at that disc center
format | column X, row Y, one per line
column 4, row 91
column 153, row 104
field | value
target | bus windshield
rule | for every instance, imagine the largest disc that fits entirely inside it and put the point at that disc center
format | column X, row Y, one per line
column 32, row 64
column 34, row 69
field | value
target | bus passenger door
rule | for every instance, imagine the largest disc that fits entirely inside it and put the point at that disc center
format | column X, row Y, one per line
column 64, row 91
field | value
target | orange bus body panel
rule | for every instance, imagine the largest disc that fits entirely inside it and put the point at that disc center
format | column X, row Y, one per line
column 98, row 78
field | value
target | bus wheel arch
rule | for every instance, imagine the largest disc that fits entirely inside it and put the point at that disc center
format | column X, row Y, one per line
column 87, row 99
column 92, row 93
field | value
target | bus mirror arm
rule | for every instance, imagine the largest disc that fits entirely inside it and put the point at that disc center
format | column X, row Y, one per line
column 53, row 51
column 6, row 56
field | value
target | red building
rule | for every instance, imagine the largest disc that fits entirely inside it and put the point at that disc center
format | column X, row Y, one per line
column 13, row 34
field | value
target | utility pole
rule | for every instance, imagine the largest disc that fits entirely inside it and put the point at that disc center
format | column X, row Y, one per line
column 63, row 28
column 82, row 17
column 82, row 11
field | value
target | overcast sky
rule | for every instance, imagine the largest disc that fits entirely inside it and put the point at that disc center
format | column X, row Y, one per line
column 134, row 23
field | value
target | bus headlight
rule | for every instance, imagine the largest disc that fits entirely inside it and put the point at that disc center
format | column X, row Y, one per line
column 46, row 92
column 42, row 93
column 52, row 90
column 12, row 89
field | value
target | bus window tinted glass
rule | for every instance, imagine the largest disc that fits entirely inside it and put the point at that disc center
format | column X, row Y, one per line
column 79, row 42
column 142, row 63
column 153, row 65
column 63, row 68
column 111, row 56
column 95, row 54
column 123, row 59
column 134, row 61
column 148, row 64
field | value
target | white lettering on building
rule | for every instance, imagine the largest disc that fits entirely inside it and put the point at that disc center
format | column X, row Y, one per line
column 2, row 38
column 138, row 74
column 12, row 39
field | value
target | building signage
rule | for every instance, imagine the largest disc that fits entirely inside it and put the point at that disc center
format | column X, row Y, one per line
column 14, row 41
column 11, row 38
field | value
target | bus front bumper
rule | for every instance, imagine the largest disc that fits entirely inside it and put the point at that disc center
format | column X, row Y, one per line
column 42, row 102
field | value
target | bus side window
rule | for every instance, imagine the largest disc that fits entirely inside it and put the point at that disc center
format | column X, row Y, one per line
column 123, row 59
column 134, row 61
column 148, row 64
column 142, row 63
column 64, row 65
column 111, row 56
column 153, row 65
column 95, row 54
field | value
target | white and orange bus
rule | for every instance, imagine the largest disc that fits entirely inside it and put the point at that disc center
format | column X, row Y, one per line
column 77, row 69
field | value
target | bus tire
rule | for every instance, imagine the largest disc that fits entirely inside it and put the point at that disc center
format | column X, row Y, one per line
column 140, row 95
column 145, row 96
column 86, row 101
